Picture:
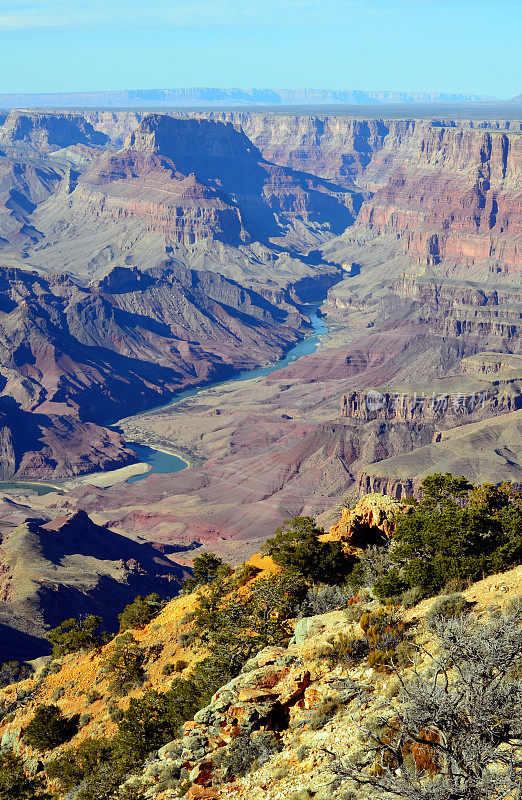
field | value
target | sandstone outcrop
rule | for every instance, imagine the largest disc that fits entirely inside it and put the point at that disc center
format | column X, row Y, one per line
column 445, row 410
column 371, row 522
column 455, row 196
column 259, row 700
column 486, row 451
column 276, row 689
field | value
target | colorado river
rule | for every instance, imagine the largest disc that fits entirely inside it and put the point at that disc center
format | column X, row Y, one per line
column 161, row 462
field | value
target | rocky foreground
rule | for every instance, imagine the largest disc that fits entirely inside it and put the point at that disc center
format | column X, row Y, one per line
column 278, row 729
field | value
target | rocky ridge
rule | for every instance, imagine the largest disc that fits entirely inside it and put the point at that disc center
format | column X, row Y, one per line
column 68, row 566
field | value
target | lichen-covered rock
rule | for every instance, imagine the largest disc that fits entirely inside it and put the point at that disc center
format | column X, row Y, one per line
column 11, row 740
column 256, row 701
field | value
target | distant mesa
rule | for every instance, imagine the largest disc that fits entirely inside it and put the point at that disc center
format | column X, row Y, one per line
column 202, row 96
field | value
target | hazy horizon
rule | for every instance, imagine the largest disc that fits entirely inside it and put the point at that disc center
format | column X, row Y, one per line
column 57, row 46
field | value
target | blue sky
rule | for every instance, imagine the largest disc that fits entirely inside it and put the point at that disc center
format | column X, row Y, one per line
column 425, row 45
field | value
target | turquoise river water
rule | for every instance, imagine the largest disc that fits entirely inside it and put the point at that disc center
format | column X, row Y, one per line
column 161, row 462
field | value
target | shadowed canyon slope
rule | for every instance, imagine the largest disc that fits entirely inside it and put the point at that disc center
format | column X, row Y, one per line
column 68, row 566
column 72, row 356
column 194, row 190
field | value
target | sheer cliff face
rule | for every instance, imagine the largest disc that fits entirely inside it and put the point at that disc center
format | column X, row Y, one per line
column 447, row 190
column 456, row 195
column 45, row 132
column 335, row 147
column 444, row 191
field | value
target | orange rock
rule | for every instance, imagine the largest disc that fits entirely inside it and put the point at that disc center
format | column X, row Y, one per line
column 371, row 522
column 201, row 793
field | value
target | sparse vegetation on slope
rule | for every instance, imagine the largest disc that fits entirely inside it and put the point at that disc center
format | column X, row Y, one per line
column 283, row 654
column 76, row 634
column 455, row 732
column 456, row 534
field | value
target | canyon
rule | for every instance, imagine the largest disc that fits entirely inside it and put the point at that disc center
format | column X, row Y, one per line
column 143, row 254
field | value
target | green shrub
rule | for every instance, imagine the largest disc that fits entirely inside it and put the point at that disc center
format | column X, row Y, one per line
column 353, row 611
column 92, row 696
column 322, row 599
column 14, row 671
column 324, row 712
column 76, row 634
column 458, row 533
column 356, row 578
column 178, row 666
column 206, row 568
column 389, row 585
column 234, row 627
column 248, row 752
column 514, row 606
column 115, row 712
column 49, row 728
column 301, row 794
column 15, row 784
column 147, row 724
column 185, row 639
column 410, row 597
column 185, row 697
column 383, row 642
column 124, row 664
column 86, row 761
column 302, row 752
column 349, row 649
column 446, row 607
column 245, row 573
column 140, row 612
column 297, row 548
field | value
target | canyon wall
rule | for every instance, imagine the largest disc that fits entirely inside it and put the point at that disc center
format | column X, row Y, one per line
column 72, row 357
column 445, row 189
